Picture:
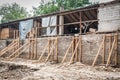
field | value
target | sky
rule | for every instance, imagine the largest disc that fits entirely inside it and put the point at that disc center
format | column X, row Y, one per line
column 25, row 3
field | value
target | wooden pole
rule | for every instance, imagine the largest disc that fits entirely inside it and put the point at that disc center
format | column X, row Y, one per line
column 43, row 52
column 61, row 23
column 77, row 39
column 14, row 34
column 53, row 42
column 76, row 47
column 57, row 49
column 27, row 46
column 116, row 48
column 80, row 48
column 36, row 42
column 110, row 42
column 50, row 51
column 110, row 53
column 18, row 50
column 98, row 52
column 80, row 22
column 104, row 49
column 71, row 44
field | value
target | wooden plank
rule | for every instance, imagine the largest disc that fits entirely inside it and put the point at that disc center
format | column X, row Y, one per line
column 53, row 46
column 68, row 51
column 8, row 48
column 18, row 50
column 71, row 60
column 21, row 51
column 98, row 53
column 110, row 53
column 13, row 42
column 43, row 52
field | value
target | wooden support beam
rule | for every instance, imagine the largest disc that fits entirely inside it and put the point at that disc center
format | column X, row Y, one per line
column 111, row 51
column 43, row 52
column 8, row 48
column 116, row 54
column 57, row 49
column 53, row 46
column 76, row 47
column 110, row 42
column 20, row 52
column 35, row 44
column 76, row 16
column 80, row 49
column 75, row 20
column 98, row 52
column 52, row 57
column 77, row 39
column 80, row 22
column 61, row 25
column 71, row 44
column 104, row 50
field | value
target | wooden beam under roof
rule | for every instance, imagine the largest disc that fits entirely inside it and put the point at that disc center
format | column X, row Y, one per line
column 72, row 16
column 76, row 15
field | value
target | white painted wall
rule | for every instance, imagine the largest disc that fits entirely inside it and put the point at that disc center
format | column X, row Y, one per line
column 100, row 1
column 104, row 1
column 109, row 18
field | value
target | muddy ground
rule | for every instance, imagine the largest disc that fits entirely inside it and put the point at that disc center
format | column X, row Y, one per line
column 25, row 70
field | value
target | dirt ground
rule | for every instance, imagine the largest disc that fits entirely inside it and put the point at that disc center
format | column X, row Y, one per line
column 25, row 70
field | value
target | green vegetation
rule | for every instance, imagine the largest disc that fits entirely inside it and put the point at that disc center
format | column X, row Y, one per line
column 55, row 5
column 10, row 12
